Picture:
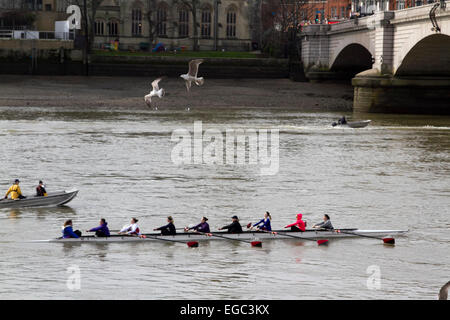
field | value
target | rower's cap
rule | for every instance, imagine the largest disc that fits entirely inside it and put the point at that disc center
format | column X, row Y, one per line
column 136, row 220
column 40, row 182
column 205, row 218
column 234, row 217
column 17, row 180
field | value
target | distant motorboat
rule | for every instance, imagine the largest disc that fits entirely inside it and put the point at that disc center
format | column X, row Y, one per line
column 51, row 200
column 353, row 124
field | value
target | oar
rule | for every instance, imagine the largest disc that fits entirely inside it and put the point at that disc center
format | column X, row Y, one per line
column 319, row 242
column 253, row 243
column 385, row 240
column 190, row 244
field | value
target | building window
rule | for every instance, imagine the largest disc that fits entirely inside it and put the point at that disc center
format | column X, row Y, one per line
column 136, row 22
column 206, row 23
column 113, row 28
column 33, row 5
column 400, row 4
column 161, row 19
column 231, row 23
column 48, row 7
column 342, row 13
column 99, row 28
column 183, row 23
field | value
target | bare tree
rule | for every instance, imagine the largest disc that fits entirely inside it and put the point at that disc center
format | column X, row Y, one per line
column 152, row 22
column 193, row 6
column 91, row 9
column 282, row 23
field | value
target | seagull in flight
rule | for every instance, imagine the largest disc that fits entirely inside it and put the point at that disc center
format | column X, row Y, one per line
column 156, row 91
column 191, row 76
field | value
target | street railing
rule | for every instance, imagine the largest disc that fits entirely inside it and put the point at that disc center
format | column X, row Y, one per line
column 36, row 35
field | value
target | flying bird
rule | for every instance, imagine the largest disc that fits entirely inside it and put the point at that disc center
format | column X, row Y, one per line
column 191, row 76
column 156, row 91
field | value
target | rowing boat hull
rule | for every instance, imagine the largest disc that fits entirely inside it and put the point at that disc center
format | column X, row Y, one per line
column 354, row 124
column 51, row 200
column 248, row 235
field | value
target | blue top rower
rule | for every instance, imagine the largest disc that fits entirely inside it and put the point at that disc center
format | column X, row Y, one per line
column 264, row 224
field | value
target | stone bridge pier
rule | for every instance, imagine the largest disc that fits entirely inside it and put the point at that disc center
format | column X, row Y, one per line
column 399, row 61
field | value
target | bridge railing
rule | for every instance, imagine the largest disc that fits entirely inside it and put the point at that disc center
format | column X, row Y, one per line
column 420, row 12
column 352, row 23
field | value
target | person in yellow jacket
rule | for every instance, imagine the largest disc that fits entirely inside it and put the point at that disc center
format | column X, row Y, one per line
column 15, row 191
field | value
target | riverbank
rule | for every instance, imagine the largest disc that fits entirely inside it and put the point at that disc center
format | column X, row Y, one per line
column 128, row 92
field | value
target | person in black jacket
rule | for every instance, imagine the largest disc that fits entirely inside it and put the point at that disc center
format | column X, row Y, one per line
column 234, row 227
column 168, row 229
column 40, row 190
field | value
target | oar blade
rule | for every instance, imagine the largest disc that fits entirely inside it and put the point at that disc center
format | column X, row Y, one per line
column 192, row 244
column 256, row 243
column 389, row 240
column 322, row 242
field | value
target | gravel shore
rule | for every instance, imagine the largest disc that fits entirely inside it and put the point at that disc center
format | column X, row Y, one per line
column 128, row 92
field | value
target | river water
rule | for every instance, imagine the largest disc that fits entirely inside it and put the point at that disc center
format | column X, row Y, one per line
column 395, row 174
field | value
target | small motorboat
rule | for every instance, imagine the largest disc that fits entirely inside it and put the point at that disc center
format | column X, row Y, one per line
column 52, row 199
column 353, row 124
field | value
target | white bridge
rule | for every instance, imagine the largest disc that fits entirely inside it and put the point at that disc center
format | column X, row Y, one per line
column 402, row 51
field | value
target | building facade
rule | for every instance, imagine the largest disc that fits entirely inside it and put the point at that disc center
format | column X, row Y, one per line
column 136, row 23
column 139, row 24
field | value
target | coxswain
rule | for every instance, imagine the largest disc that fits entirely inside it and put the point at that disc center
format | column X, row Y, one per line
column 67, row 230
column 234, row 227
column 168, row 229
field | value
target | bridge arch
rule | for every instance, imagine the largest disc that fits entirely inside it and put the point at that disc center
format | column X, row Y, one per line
column 426, row 56
column 352, row 59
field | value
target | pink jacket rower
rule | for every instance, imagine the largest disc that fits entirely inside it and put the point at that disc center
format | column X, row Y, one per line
column 297, row 225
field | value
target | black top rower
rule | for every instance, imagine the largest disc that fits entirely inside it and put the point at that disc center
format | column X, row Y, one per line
column 234, row 227
column 40, row 190
column 169, row 229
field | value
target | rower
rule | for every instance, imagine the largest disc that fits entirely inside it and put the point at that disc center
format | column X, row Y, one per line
column 102, row 230
column 326, row 224
column 168, row 229
column 40, row 190
column 67, row 230
column 132, row 229
column 265, row 223
column 298, row 225
column 234, row 227
column 15, row 191
column 203, row 226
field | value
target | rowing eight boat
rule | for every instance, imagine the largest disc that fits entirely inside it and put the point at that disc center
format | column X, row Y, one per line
column 246, row 235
